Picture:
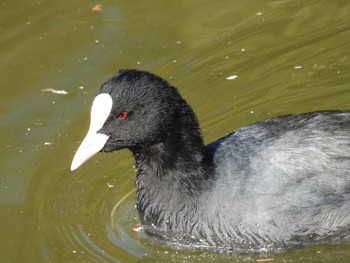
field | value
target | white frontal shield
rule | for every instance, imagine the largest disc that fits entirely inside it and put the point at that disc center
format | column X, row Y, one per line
column 93, row 141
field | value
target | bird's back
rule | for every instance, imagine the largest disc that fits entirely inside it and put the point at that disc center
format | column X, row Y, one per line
column 287, row 179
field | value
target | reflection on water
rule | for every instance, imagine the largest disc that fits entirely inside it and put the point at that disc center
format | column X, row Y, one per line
column 285, row 56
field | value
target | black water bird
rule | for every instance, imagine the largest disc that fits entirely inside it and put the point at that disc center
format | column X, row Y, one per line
column 271, row 185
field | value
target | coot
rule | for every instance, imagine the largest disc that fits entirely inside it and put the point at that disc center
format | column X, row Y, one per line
column 271, row 185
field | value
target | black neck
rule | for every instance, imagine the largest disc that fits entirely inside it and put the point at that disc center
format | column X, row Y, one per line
column 186, row 165
column 171, row 174
column 168, row 180
column 180, row 154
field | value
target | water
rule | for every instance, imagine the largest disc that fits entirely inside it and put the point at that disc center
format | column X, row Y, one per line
column 235, row 62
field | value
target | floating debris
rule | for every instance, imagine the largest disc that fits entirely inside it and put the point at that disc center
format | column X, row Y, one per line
column 97, row 8
column 264, row 259
column 135, row 227
column 55, row 91
column 110, row 185
column 232, row 77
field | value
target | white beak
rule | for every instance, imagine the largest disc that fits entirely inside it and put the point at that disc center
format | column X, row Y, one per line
column 93, row 141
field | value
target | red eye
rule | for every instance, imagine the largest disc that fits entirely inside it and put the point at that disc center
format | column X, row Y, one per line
column 123, row 115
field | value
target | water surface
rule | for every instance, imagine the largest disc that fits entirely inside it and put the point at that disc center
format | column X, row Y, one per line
column 235, row 62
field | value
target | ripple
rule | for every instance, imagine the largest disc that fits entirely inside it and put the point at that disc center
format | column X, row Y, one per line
column 289, row 56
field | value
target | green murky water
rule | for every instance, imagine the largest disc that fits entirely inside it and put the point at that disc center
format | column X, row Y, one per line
column 235, row 62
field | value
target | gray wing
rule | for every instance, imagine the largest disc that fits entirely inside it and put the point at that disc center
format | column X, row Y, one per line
column 290, row 173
